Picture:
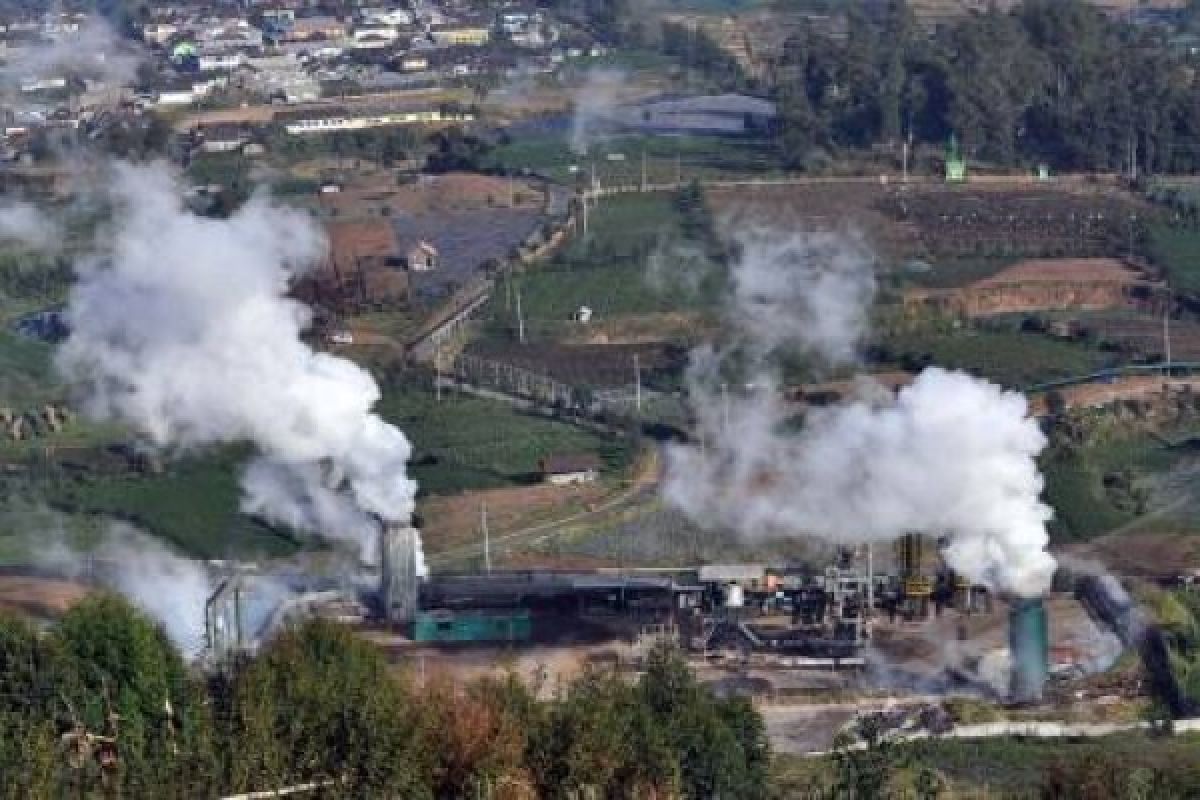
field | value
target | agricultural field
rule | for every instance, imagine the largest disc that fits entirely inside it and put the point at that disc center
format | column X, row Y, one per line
column 27, row 378
column 192, row 504
column 1126, row 480
column 462, row 442
column 1003, row 354
column 1015, row 767
column 632, row 263
column 1176, row 249
column 544, row 150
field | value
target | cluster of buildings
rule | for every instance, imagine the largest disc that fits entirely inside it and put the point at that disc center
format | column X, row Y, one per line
column 73, row 70
column 292, row 52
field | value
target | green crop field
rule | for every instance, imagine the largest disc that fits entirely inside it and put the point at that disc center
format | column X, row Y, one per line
column 632, row 261
column 193, row 505
column 1008, row 357
column 27, row 377
column 1098, row 486
column 618, row 159
column 462, row 442
column 1013, row 767
column 1177, row 250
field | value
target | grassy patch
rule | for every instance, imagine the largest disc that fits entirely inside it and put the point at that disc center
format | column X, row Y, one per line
column 1008, row 357
column 193, row 504
column 951, row 273
column 609, row 271
column 1177, row 250
column 27, row 377
column 618, row 159
column 1098, row 486
column 1014, row 767
column 463, row 442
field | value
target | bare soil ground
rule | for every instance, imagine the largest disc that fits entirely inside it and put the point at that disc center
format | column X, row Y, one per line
column 835, row 206
column 629, row 329
column 39, row 597
column 596, row 365
column 454, row 520
column 1148, row 555
column 431, row 194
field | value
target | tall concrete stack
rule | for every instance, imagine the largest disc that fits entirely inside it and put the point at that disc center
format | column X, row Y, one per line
column 398, row 586
column 1029, row 643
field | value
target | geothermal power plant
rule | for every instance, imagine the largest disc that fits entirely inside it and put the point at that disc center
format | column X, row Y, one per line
column 834, row 622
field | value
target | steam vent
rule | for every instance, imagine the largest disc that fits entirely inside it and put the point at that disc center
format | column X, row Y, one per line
column 398, row 587
column 1028, row 639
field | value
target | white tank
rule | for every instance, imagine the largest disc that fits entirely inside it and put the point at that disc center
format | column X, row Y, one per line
column 735, row 596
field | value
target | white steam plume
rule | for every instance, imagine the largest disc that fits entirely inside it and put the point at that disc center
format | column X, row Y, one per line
column 169, row 587
column 26, row 224
column 951, row 456
column 185, row 330
column 595, row 102
column 94, row 52
column 806, row 291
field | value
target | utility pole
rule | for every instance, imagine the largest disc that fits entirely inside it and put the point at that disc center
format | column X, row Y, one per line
column 520, row 319
column 583, row 204
column 645, row 183
column 1167, row 337
column 437, row 373
column 637, row 385
column 487, row 541
column 870, row 582
column 678, row 170
column 725, row 407
column 512, row 193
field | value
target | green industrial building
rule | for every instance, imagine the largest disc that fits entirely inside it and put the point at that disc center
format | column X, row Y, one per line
column 472, row 626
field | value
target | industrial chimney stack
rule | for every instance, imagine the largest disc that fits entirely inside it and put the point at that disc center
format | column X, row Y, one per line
column 1029, row 643
column 398, row 584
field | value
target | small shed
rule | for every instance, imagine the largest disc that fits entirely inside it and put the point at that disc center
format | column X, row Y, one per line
column 421, row 257
column 567, row 468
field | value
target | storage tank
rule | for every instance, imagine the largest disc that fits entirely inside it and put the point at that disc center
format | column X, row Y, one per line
column 1029, row 642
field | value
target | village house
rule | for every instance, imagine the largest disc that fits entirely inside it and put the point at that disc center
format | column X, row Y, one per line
column 564, row 469
column 421, row 257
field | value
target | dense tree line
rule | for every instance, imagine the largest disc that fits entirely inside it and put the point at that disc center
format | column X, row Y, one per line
column 1051, row 81
column 103, row 706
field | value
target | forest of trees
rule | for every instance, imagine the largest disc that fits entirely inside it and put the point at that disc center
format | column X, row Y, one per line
column 1053, row 81
column 103, row 706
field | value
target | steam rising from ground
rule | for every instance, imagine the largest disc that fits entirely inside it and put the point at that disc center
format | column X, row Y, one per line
column 952, row 455
column 595, row 102
column 24, row 223
column 170, row 588
column 809, row 292
column 184, row 330
column 94, row 52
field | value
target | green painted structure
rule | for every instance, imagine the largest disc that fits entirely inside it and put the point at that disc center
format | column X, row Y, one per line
column 1029, row 643
column 472, row 626
column 956, row 165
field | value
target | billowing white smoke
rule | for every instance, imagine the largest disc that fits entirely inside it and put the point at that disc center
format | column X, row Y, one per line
column 26, row 224
column 951, row 456
column 95, row 52
column 595, row 102
column 184, row 329
column 170, row 588
column 810, row 292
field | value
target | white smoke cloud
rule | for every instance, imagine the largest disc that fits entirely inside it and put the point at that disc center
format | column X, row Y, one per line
column 184, row 330
column 26, row 224
column 95, row 52
column 595, row 101
column 810, row 292
column 950, row 456
column 169, row 587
